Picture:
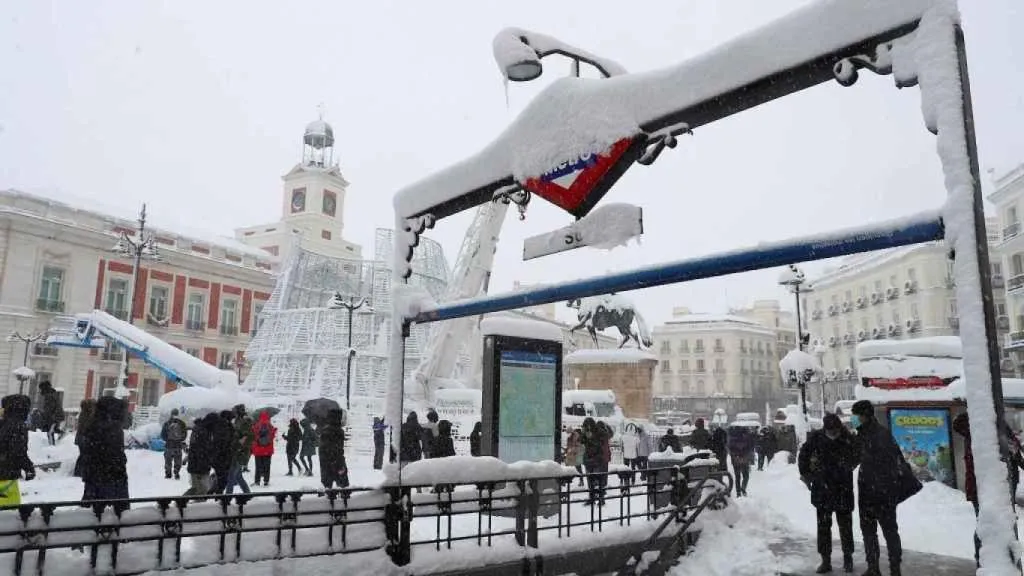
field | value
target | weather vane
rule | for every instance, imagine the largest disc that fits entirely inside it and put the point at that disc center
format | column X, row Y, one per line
column 321, row 109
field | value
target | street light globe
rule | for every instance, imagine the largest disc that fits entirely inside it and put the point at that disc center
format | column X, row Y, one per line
column 524, row 70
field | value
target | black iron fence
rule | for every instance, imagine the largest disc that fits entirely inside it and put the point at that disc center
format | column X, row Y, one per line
column 145, row 534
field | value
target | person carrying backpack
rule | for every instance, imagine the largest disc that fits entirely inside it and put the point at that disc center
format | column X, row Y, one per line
column 263, row 447
column 173, row 434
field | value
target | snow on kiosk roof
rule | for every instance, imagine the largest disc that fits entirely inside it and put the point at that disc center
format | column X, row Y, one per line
column 576, row 117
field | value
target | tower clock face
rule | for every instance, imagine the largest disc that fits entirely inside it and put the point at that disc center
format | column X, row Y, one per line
column 330, row 203
column 298, row 200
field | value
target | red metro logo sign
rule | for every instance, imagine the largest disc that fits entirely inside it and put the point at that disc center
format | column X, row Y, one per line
column 576, row 186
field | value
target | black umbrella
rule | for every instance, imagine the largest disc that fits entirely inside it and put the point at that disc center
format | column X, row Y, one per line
column 318, row 408
column 270, row 410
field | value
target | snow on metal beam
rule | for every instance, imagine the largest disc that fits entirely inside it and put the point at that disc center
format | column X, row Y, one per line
column 923, row 227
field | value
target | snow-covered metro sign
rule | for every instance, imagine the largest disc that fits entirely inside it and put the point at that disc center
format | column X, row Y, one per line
column 576, row 186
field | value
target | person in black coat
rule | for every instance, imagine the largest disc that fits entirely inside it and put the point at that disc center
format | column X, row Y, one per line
column 826, row 464
column 593, row 459
column 411, row 448
column 199, row 447
column 222, row 442
column 766, row 446
column 444, row 445
column 292, row 443
column 14, row 458
column 719, row 446
column 474, row 439
column 104, row 464
column 430, row 433
column 51, row 413
column 333, row 468
column 670, row 440
column 700, row 438
column 880, row 487
column 378, row 442
column 741, row 449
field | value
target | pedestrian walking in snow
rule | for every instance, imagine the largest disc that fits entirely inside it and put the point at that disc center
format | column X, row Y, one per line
column 333, row 468
column 237, row 455
column 244, row 422
column 444, row 445
column 574, row 452
column 87, row 410
column 310, row 441
column 292, row 443
column 51, row 412
column 222, row 434
column 104, row 464
column 670, row 440
column 741, row 451
column 700, row 438
column 474, row 439
column 14, row 460
column 174, row 432
column 643, row 450
column 765, row 446
column 884, row 481
column 199, row 446
column 264, row 434
column 826, row 464
column 378, row 442
column 719, row 446
column 412, row 439
column 427, row 444
column 629, row 447
column 594, row 440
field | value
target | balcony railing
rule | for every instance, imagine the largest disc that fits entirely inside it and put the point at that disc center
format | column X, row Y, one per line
column 954, row 322
column 112, row 355
column 1015, row 339
column 720, row 349
column 1011, row 231
column 1015, row 283
column 195, row 325
column 226, row 330
column 39, row 349
column 119, row 313
column 47, row 305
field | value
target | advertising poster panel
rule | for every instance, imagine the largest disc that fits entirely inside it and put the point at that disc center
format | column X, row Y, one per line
column 923, row 436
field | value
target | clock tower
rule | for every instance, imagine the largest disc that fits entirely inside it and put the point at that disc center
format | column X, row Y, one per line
column 312, row 202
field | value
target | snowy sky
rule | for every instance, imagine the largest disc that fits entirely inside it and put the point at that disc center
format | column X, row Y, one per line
column 186, row 103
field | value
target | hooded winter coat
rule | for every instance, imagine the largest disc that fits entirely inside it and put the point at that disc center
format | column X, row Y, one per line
column 412, row 434
column 264, row 423
column 474, row 439
column 199, row 446
column 700, row 438
column 14, row 438
column 430, row 434
column 292, row 438
column 85, row 416
column 102, row 446
column 880, row 461
column 444, row 445
column 593, row 444
column 309, row 439
column 828, row 465
column 51, row 412
column 332, row 451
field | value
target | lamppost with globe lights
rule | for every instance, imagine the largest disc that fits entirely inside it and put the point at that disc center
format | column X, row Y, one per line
column 142, row 246
column 350, row 303
column 28, row 339
column 792, row 278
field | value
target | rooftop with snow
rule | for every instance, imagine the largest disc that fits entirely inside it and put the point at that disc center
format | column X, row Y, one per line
column 613, row 356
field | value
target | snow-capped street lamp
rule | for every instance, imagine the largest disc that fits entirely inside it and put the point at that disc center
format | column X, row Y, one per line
column 350, row 303
column 28, row 339
column 238, row 365
column 518, row 53
column 141, row 246
column 819, row 350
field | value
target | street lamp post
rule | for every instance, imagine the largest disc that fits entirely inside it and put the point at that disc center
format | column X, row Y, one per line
column 793, row 279
column 238, row 367
column 819, row 352
column 142, row 246
column 28, row 339
column 350, row 303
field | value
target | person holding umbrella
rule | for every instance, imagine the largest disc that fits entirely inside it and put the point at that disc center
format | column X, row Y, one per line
column 333, row 468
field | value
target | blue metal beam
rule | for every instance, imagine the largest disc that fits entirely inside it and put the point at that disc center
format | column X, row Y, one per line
column 923, row 227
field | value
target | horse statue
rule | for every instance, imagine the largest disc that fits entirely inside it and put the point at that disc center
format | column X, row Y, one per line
column 600, row 312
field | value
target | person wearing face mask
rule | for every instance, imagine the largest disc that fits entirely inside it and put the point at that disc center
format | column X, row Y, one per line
column 885, row 480
column 826, row 464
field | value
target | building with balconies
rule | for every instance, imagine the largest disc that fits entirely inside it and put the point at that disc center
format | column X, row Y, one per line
column 899, row 293
column 711, row 361
column 1008, row 198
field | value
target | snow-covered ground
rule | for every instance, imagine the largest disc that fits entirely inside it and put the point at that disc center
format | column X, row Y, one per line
column 938, row 520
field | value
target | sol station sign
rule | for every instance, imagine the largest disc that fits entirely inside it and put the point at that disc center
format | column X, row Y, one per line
column 576, row 186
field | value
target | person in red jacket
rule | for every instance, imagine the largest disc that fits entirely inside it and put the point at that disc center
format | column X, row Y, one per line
column 263, row 447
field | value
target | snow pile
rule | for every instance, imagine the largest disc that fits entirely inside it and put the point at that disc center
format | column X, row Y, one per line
column 470, row 469
column 193, row 403
column 613, row 225
column 670, row 456
column 723, row 534
column 931, row 347
column 791, row 275
column 409, row 300
column 143, row 435
column 64, row 452
column 617, row 356
column 520, row 328
column 570, row 397
column 24, row 372
column 798, row 362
